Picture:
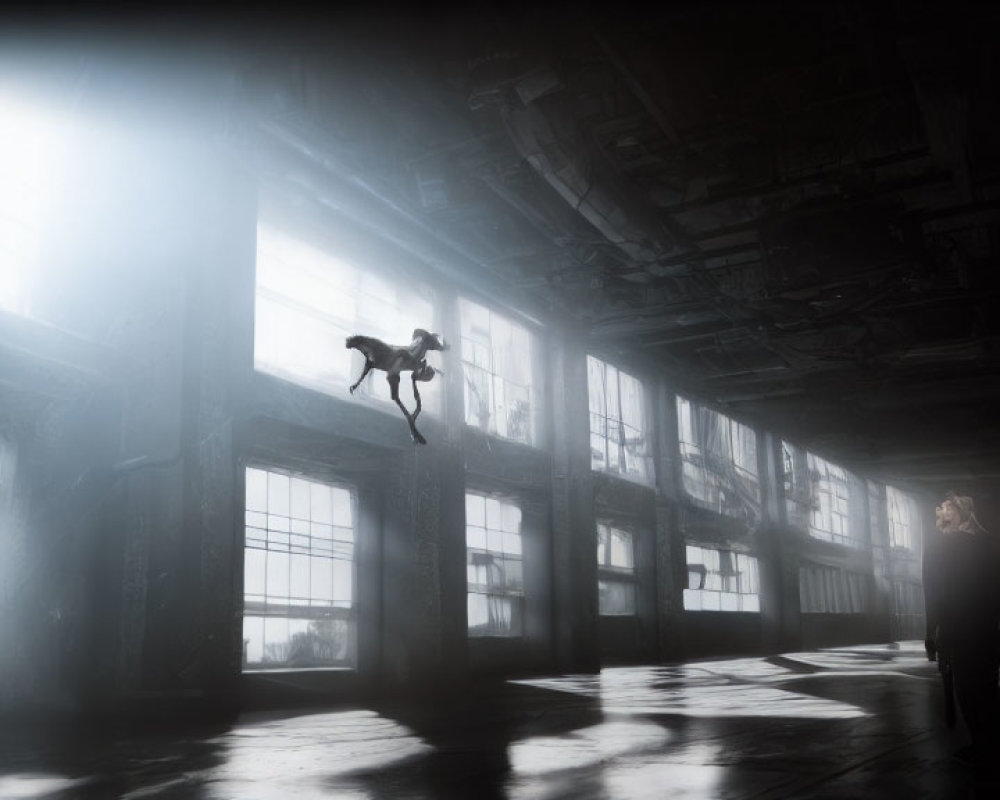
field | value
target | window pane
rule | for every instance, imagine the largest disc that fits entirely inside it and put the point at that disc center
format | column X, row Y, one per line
column 494, row 519
column 256, row 480
column 495, row 578
column 621, row 548
column 475, row 537
column 299, row 577
column 277, row 577
column 497, row 365
column 511, row 515
column 719, row 462
column 253, row 640
column 288, row 571
column 475, row 510
column 254, row 565
column 277, row 494
column 299, row 498
column 720, row 580
column 343, row 582
column 321, row 577
column 477, row 610
column 342, row 513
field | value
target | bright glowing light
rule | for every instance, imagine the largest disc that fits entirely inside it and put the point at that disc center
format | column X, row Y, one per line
column 30, row 784
column 343, row 742
column 580, row 748
column 30, row 146
column 707, row 689
column 658, row 779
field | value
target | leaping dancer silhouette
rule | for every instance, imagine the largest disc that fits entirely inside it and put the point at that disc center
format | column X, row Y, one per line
column 394, row 359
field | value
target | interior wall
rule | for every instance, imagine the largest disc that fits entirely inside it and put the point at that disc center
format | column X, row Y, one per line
column 156, row 608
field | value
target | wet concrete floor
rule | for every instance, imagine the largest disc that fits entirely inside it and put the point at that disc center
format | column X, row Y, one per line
column 859, row 722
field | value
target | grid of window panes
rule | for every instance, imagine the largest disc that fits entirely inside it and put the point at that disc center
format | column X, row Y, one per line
column 616, row 571
column 497, row 365
column 721, row 580
column 299, row 575
column 308, row 302
column 902, row 517
column 618, row 439
column 719, row 461
column 830, row 514
column 829, row 590
column 494, row 566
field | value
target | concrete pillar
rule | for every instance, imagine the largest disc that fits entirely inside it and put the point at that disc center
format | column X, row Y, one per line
column 574, row 531
column 218, row 358
column 776, row 557
column 671, row 567
column 878, row 525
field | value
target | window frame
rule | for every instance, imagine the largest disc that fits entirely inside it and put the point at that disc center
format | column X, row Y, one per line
column 741, row 564
column 644, row 472
column 313, row 258
column 609, row 573
column 315, row 609
column 484, row 557
column 897, row 499
column 833, row 496
column 696, row 455
column 469, row 348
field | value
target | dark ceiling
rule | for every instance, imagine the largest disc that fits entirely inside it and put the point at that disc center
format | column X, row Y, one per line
column 791, row 210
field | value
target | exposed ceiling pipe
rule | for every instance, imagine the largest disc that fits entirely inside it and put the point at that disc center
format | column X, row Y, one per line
column 600, row 198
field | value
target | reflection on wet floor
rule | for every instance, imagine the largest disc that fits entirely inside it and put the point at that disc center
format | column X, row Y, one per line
column 867, row 723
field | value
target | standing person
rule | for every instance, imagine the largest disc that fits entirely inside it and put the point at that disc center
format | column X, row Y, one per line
column 961, row 569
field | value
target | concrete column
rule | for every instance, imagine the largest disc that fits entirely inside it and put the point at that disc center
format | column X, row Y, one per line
column 452, row 571
column 574, row 531
column 778, row 565
column 882, row 566
column 217, row 368
column 671, row 567
column 411, row 599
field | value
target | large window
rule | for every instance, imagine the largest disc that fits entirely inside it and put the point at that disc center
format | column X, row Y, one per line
column 903, row 518
column 299, row 576
column 719, row 461
column 618, row 438
column 497, row 359
column 616, row 571
column 829, row 590
column 830, row 516
column 721, row 580
column 495, row 566
column 309, row 301
column 823, row 498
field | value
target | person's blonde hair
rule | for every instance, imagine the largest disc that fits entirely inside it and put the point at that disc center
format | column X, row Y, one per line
column 966, row 508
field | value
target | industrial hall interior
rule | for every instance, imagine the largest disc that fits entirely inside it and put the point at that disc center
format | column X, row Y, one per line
column 491, row 400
